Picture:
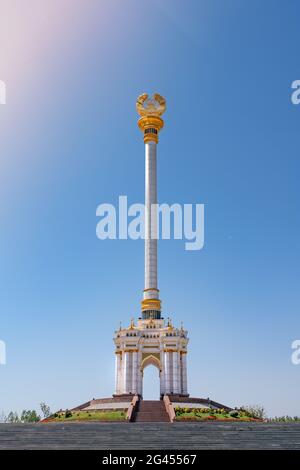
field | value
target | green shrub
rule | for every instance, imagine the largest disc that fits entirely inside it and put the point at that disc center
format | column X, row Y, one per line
column 179, row 411
column 255, row 411
column 285, row 419
column 68, row 414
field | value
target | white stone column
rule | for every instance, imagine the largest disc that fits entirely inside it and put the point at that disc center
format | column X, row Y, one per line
column 134, row 387
column 140, row 382
column 150, row 222
column 127, row 372
column 121, row 374
column 171, row 371
column 184, row 374
column 118, row 375
column 162, row 375
column 176, row 373
column 139, row 374
column 168, row 387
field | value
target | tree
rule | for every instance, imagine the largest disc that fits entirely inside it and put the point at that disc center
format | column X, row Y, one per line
column 254, row 411
column 29, row 416
column 45, row 409
column 12, row 417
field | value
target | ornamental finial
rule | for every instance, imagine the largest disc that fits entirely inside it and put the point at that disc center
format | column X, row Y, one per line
column 169, row 324
column 150, row 106
column 150, row 110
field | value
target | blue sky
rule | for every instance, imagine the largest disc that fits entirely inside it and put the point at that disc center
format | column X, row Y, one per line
column 69, row 141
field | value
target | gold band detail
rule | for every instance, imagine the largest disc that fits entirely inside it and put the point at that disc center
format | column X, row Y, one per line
column 151, row 304
column 150, row 138
column 150, row 122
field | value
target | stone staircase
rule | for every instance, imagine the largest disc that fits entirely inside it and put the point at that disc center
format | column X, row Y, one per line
column 151, row 411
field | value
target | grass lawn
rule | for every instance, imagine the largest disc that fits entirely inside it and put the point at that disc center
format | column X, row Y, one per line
column 195, row 415
column 103, row 415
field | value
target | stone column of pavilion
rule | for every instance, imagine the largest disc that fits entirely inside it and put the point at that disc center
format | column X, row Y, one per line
column 150, row 123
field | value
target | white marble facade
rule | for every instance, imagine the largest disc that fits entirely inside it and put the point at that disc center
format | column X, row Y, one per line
column 151, row 342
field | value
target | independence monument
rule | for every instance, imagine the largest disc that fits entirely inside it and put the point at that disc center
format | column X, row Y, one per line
column 151, row 341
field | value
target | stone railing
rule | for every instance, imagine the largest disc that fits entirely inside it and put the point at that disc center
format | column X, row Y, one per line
column 169, row 408
column 131, row 409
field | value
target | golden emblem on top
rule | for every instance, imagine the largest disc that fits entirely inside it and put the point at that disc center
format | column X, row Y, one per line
column 150, row 106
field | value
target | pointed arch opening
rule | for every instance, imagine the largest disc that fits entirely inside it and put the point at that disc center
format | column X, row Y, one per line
column 151, row 375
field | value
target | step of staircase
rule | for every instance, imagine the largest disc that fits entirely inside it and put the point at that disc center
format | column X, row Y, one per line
column 151, row 411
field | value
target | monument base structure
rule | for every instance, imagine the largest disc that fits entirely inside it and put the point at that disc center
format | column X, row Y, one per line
column 151, row 342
